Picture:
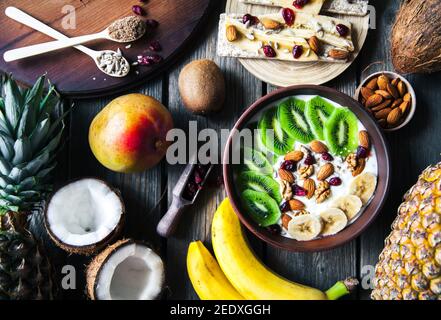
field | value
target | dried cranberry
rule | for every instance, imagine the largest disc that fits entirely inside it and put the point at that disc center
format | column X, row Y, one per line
column 284, row 207
column 274, row 229
column 152, row 23
column 327, row 156
column 288, row 165
column 190, row 190
column 138, row 10
column 155, row 46
column 297, row 51
column 309, row 160
column 335, row 181
column 288, row 15
column 299, row 191
column 299, row 4
column 342, row 30
column 248, row 18
column 198, row 178
column 149, row 60
column 269, row 51
column 362, row 152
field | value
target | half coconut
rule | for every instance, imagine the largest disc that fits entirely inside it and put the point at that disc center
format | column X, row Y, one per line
column 84, row 216
column 126, row 270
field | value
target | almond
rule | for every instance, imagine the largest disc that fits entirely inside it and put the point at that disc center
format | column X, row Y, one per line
column 314, row 43
column 394, row 117
column 402, row 89
column 295, row 156
column 285, row 221
column 384, row 94
column 231, row 33
column 382, row 114
column 363, row 137
column 366, row 92
column 361, row 164
column 404, row 107
column 309, row 186
column 384, row 104
column 393, row 91
column 318, row 147
column 407, row 97
column 296, row 205
column 372, row 84
column 395, row 81
column 286, row 175
column 396, row 103
column 374, row 100
column 325, row 171
column 338, row 54
column 382, row 123
column 270, row 23
column 382, row 82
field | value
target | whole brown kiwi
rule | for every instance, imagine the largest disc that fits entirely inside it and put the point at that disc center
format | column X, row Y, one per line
column 202, row 87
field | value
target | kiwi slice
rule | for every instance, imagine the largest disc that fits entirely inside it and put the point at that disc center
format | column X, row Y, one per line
column 341, row 132
column 293, row 121
column 317, row 112
column 272, row 135
column 256, row 161
column 260, row 182
column 261, row 207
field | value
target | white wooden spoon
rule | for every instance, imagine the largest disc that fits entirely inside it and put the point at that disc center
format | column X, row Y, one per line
column 22, row 17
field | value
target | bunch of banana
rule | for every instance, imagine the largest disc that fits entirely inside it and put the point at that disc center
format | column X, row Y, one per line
column 243, row 276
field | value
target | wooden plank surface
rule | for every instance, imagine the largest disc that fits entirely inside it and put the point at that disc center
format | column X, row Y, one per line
column 147, row 194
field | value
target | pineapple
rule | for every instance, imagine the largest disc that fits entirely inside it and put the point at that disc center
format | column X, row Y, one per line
column 410, row 264
column 29, row 139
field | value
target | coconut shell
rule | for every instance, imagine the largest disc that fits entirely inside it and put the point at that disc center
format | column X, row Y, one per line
column 416, row 37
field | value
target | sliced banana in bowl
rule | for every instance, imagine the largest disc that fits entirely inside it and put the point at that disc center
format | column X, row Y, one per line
column 364, row 186
column 305, row 227
column 350, row 205
column 334, row 220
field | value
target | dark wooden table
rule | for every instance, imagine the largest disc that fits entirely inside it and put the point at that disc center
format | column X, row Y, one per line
column 147, row 194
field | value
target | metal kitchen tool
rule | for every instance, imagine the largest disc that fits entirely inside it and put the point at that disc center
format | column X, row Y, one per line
column 169, row 222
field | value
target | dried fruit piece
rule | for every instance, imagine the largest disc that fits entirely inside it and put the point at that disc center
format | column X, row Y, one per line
column 309, row 186
column 294, row 156
column 288, row 15
column 269, row 51
column 360, row 167
column 382, row 82
column 363, row 138
column 335, row 182
column 297, row 51
column 249, row 19
column 299, row 4
column 393, row 91
column 270, row 24
column 394, row 117
column 286, row 176
column 310, row 160
column 318, row 146
column 366, row 92
column 338, row 54
column 372, row 84
column 325, row 171
column 284, row 207
column 402, row 88
column 314, row 44
column 299, row 191
column 374, row 100
column 342, row 30
column 155, row 46
column 296, row 205
column 285, row 220
column 138, row 10
column 362, row 152
column 288, row 165
column 231, row 33
column 327, row 156
column 384, row 94
column 382, row 114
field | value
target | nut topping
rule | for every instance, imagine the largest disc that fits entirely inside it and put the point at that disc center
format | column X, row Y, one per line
column 286, row 176
column 323, row 191
column 306, row 171
column 231, row 33
column 286, row 190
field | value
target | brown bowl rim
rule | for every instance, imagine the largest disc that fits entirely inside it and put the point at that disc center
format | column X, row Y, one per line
column 371, row 211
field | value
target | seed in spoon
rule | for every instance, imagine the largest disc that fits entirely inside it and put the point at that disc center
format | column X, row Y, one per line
column 127, row 29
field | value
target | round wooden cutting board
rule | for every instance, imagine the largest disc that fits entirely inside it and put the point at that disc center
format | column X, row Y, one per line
column 285, row 73
column 74, row 73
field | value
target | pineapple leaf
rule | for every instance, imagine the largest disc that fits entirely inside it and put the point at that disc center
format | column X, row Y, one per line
column 35, row 94
column 23, row 123
column 54, row 143
column 43, row 174
column 6, row 148
column 4, row 124
column 40, row 134
column 5, row 167
column 13, row 101
column 16, row 174
column 49, row 102
column 22, row 151
column 33, row 166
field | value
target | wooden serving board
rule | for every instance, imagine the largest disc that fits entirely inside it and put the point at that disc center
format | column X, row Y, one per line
column 285, row 73
column 74, row 73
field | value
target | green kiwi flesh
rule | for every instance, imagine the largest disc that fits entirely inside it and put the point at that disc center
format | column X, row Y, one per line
column 317, row 112
column 272, row 135
column 256, row 161
column 341, row 132
column 261, row 207
column 260, row 182
column 291, row 114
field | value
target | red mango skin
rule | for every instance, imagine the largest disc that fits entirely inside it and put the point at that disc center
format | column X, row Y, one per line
column 129, row 134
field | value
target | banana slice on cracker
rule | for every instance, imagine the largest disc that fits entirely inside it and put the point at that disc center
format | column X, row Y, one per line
column 305, row 228
column 350, row 205
column 334, row 220
column 363, row 186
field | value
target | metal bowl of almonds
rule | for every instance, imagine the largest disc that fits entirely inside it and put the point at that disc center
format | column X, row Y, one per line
column 306, row 168
column 389, row 97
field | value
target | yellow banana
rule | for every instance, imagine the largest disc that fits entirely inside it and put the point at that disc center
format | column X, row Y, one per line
column 252, row 279
column 206, row 276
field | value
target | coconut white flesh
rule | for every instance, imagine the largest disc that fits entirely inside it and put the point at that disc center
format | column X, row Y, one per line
column 84, row 212
column 132, row 272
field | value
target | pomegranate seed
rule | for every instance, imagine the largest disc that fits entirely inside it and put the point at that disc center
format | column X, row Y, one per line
column 309, row 160
column 327, row 156
column 149, row 59
column 299, row 191
column 155, row 46
column 342, row 30
column 197, row 178
column 138, row 10
column 152, row 23
column 297, row 51
column 335, row 181
column 362, row 152
column 288, row 165
column 274, row 229
column 269, row 51
column 288, row 15
column 249, row 18
column 299, row 4
column 284, row 207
